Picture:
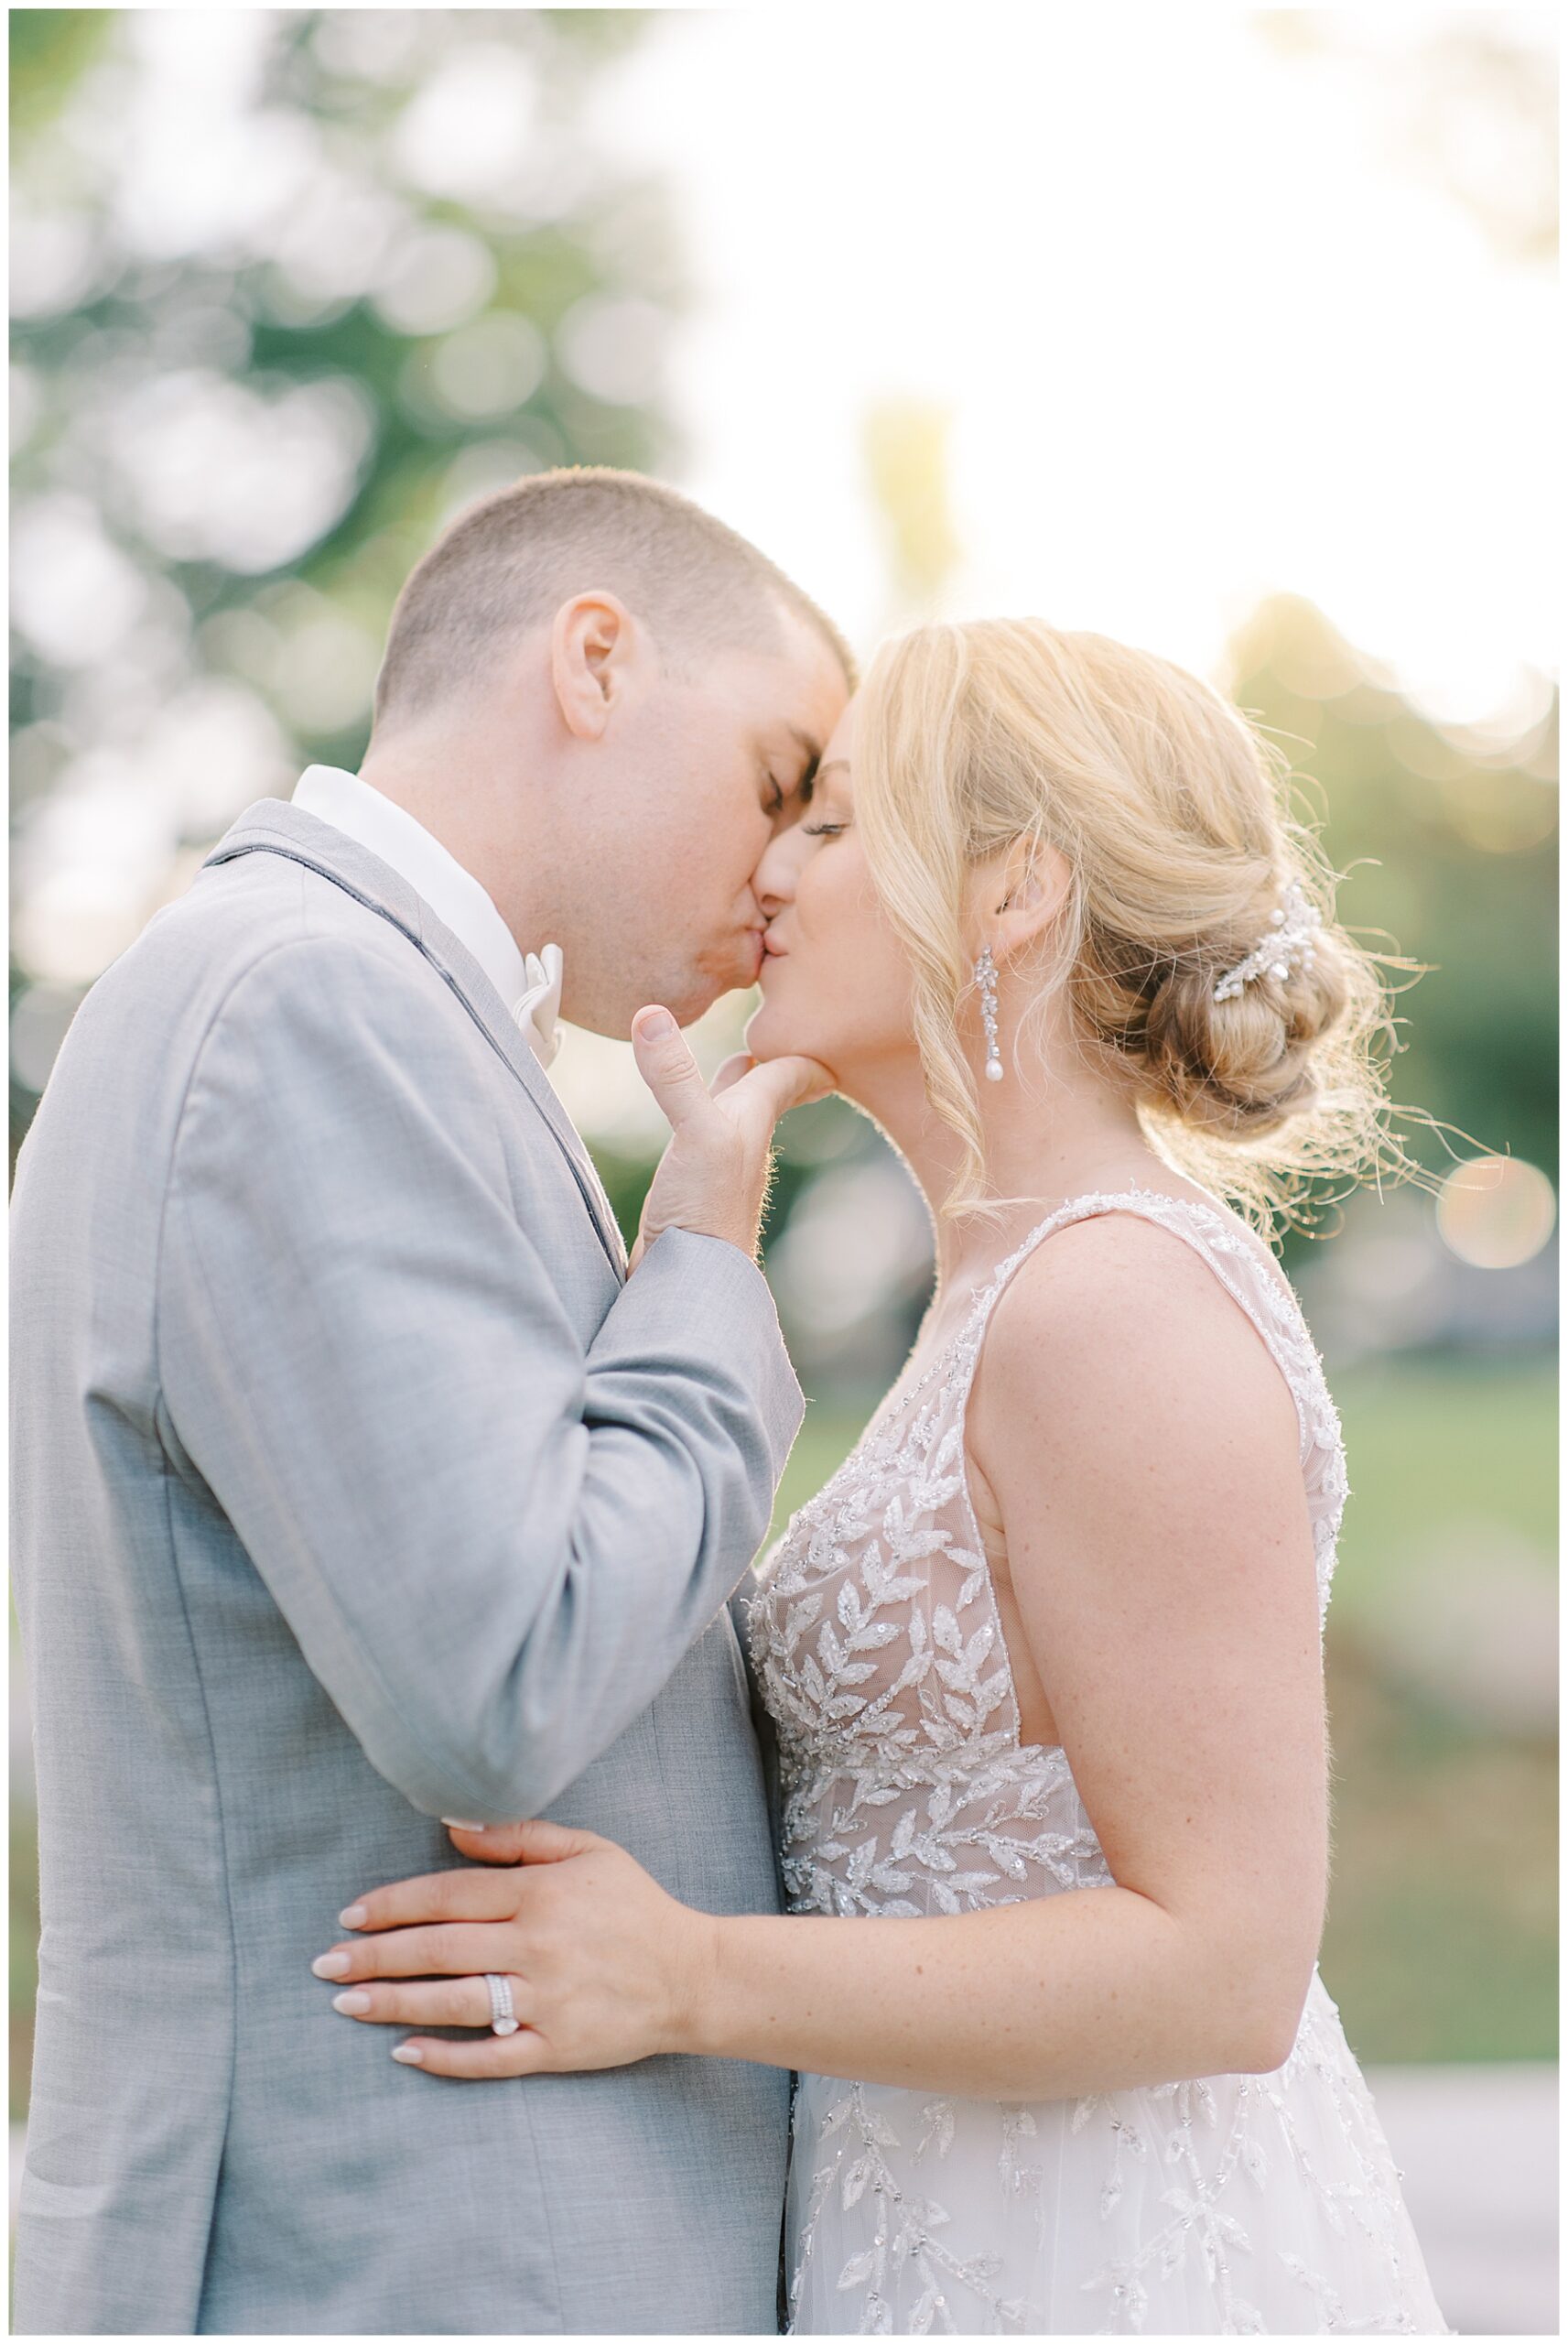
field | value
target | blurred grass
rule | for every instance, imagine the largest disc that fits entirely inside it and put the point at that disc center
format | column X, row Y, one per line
column 1441, row 1940
column 1430, row 1446
column 1442, row 1935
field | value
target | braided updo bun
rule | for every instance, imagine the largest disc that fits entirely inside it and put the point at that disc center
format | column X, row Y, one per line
column 1241, row 1068
column 1237, row 1068
column 1173, row 815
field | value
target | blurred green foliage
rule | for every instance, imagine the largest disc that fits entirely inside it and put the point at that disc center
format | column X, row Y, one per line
column 612, row 239
column 49, row 48
column 224, row 314
column 1448, row 843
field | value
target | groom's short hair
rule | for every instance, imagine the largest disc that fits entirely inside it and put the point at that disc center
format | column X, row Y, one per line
column 509, row 561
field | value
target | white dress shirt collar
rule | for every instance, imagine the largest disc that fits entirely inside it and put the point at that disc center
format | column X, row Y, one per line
column 531, row 988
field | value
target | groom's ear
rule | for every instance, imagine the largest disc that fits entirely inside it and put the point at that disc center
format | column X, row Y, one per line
column 592, row 644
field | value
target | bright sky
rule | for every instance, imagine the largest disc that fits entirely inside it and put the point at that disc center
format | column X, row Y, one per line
column 1204, row 330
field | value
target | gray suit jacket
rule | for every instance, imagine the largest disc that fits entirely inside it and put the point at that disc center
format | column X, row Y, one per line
column 355, row 1485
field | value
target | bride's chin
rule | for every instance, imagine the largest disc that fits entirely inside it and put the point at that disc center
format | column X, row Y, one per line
column 764, row 1036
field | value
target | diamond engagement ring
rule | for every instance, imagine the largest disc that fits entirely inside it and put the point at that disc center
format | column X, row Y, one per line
column 502, row 2018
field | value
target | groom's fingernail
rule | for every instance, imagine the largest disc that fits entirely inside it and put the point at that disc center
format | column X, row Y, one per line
column 454, row 1823
column 409, row 2053
column 330, row 1965
column 353, row 1916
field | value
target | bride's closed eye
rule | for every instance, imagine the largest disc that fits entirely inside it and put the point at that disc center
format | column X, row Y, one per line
column 822, row 830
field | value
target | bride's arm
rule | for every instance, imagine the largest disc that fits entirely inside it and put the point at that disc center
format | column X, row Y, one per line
column 1142, row 1449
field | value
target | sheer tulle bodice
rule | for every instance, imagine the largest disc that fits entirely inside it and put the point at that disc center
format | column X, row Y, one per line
column 1232, row 2204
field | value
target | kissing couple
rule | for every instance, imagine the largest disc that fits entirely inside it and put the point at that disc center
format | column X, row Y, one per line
column 450, row 1850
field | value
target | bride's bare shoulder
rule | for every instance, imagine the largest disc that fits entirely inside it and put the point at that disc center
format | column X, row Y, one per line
column 1119, row 1307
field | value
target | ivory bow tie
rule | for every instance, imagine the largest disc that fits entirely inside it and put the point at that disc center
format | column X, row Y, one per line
column 537, row 1009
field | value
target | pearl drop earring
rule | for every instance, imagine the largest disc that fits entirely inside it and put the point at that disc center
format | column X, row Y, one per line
column 985, row 977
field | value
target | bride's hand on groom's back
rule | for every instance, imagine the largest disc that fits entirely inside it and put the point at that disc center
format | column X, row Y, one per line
column 713, row 1177
column 605, row 1969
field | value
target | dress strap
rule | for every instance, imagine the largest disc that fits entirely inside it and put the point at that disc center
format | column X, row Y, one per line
column 1240, row 1261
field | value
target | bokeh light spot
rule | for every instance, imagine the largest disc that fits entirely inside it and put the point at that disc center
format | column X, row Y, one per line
column 436, row 280
column 462, row 132
column 613, row 347
column 1496, row 1212
column 489, row 367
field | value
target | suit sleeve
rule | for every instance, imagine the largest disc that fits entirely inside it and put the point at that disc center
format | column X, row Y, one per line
column 493, row 1546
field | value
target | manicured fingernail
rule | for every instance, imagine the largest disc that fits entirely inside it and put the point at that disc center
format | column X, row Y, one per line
column 353, row 1916
column 330, row 1965
column 352, row 2003
column 453, row 1824
column 410, row 2054
column 654, row 1024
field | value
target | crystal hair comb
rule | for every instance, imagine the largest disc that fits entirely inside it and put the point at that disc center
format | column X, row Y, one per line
column 1288, row 943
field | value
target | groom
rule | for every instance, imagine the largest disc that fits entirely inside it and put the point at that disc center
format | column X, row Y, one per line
column 358, row 1484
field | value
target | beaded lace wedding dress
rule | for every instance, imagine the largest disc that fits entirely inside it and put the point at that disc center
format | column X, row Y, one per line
column 1238, row 2205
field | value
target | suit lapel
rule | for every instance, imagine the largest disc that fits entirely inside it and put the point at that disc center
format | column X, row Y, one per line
column 273, row 826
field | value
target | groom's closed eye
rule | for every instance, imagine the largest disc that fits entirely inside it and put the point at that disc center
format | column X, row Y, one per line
column 794, row 780
column 795, row 798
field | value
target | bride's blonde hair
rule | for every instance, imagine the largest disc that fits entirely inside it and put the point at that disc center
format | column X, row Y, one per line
column 1173, row 815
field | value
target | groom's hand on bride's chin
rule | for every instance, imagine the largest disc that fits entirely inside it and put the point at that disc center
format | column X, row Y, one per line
column 714, row 1174
column 737, row 1063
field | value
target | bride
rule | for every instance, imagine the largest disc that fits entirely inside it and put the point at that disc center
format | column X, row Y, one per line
column 1045, row 1655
